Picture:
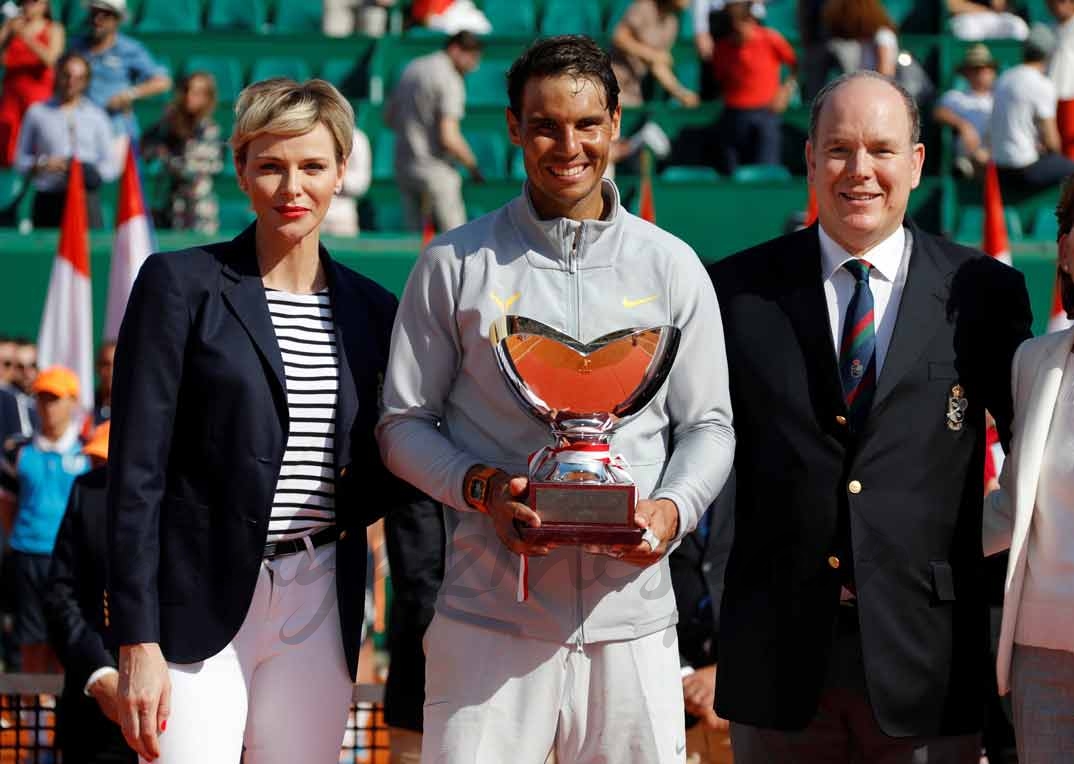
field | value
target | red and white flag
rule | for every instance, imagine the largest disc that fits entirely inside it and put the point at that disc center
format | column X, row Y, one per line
column 133, row 243
column 646, row 205
column 994, row 240
column 66, row 336
column 1057, row 318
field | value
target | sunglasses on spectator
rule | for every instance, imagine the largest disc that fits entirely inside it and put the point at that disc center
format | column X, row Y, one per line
column 102, row 12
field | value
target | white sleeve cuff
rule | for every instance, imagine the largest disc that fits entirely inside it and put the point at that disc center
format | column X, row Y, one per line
column 102, row 671
column 686, row 671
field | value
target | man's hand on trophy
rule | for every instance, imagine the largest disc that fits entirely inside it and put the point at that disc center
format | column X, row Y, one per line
column 507, row 509
column 660, row 519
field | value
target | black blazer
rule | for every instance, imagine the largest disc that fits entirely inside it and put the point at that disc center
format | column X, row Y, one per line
column 74, row 608
column 199, row 427
column 914, row 535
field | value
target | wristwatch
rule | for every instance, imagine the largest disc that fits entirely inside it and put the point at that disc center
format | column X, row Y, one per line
column 477, row 488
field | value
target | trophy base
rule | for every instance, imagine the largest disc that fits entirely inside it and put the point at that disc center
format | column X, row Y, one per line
column 578, row 534
column 582, row 513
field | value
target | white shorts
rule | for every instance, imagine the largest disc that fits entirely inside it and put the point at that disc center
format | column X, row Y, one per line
column 496, row 698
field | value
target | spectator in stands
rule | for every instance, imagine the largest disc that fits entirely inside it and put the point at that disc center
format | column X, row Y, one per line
column 123, row 70
column 87, row 714
column 969, row 113
column 984, row 20
column 53, row 131
column 244, row 400
column 342, row 217
column 44, row 470
column 425, row 110
column 102, row 395
column 415, row 541
column 813, row 39
column 641, row 45
column 1025, row 140
column 746, row 64
column 342, row 18
column 861, row 35
column 705, row 16
column 32, row 43
column 1030, row 516
column 450, row 16
column 23, row 372
column 697, row 569
column 187, row 142
column 587, row 664
column 1061, row 71
column 7, row 360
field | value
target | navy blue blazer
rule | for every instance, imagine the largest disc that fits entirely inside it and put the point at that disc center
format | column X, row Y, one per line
column 199, row 429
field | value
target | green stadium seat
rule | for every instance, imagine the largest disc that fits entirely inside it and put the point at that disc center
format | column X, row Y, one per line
column 170, row 16
column 782, row 15
column 899, row 10
column 235, row 214
column 384, row 155
column 298, row 17
column 511, row 17
column 971, row 224
column 280, row 66
column 616, row 9
column 348, row 75
column 387, row 216
column 237, row 15
column 226, row 70
column 490, row 149
column 486, row 85
column 688, row 72
column 688, row 173
column 571, row 17
column 760, row 173
column 1045, row 226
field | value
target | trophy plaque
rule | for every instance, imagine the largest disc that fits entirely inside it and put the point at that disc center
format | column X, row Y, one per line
column 583, row 391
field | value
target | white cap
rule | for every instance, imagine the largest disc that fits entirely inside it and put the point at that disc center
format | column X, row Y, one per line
column 118, row 7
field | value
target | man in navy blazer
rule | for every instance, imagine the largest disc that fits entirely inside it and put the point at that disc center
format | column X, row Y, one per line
column 863, row 353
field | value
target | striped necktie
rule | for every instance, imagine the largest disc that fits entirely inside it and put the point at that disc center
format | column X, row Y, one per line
column 857, row 351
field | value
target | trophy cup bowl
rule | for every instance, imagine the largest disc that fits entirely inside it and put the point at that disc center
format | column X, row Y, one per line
column 583, row 392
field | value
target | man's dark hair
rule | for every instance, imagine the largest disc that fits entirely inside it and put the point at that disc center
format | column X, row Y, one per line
column 22, row 341
column 913, row 114
column 571, row 55
column 73, row 55
column 465, row 40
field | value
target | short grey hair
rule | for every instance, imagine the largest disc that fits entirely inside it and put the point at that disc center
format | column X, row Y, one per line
column 913, row 114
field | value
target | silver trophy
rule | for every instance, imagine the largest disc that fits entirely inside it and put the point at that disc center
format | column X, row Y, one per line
column 583, row 391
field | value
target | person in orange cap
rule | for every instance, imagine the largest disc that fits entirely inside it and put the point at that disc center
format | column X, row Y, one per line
column 78, row 619
column 44, row 470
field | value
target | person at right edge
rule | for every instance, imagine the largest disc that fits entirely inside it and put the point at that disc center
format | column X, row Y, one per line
column 863, row 354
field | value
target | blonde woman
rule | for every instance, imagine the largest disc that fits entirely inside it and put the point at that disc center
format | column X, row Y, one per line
column 243, row 462
column 1031, row 514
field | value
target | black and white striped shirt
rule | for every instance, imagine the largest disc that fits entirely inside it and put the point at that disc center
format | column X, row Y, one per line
column 304, row 501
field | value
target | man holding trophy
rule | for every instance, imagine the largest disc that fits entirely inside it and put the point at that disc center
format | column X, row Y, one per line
column 557, row 379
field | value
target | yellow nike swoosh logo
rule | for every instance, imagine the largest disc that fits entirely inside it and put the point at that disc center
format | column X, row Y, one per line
column 635, row 303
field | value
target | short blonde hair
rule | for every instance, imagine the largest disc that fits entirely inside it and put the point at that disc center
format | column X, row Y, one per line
column 281, row 106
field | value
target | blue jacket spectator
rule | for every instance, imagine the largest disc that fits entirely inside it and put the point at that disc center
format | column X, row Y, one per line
column 123, row 70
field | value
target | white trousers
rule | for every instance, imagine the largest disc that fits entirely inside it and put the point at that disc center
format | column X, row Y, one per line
column 495, row 698
column 280, row 688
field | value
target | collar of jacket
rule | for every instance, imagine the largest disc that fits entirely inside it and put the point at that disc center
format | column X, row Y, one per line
column 244, row 263
column 551, row 243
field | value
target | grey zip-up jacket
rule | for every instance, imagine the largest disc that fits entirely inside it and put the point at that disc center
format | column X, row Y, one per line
column 446, row 407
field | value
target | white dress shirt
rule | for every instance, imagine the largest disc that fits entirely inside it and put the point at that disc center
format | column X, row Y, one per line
column 886, row 281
